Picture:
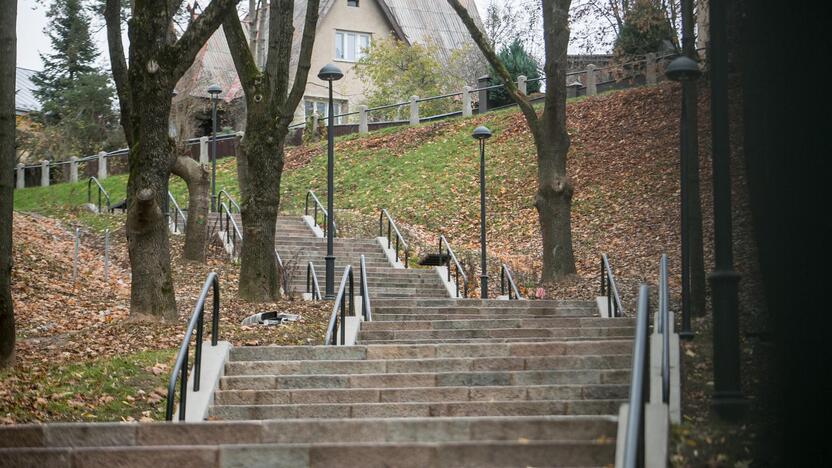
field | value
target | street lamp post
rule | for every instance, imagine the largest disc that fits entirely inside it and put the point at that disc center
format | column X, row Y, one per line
column 330, row 73
column 214, row 91
column 727, row 399
column 481, row 134
column 686, row 71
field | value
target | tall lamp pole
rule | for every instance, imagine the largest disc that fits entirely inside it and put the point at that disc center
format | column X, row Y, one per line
column 481, row 134
column 330, row 73
column 727, row 399
column 684, row 70
column 214, row 91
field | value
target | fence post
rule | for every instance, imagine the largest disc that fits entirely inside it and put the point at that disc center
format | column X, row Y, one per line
column 483, row 82
column 650, row 69
column 466, row 101
column 21, row 176
column 314, row 135
column 521, row 84
column 363, row 128
column 414, row 110
column 102, row 165
column 44, row 173
column 591, row 90
column 73, row 169
column 203, row 150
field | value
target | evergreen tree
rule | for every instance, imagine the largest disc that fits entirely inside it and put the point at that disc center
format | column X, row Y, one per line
column 74, row 51
column 518, row 62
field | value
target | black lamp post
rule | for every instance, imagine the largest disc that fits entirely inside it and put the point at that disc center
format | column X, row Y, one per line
column 214, row 91
column 481, row 134
column 330, row 73
column 727, row 399
column 684, row 70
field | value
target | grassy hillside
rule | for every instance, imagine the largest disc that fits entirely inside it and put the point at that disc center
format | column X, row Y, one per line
column 622, row 162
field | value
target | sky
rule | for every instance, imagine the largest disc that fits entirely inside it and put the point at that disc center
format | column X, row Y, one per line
column 31, row 40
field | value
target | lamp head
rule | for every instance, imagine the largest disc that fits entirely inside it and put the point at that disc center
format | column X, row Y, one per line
column 330, row 72
column 682, row 68
column 213, row 90
column 481, row 133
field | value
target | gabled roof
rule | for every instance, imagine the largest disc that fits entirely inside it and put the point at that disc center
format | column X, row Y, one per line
column 213, row 65
column 24, row 91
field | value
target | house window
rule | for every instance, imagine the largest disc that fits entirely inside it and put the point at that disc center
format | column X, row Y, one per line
column 351, row 46
column 311, row 106
column 352, row 3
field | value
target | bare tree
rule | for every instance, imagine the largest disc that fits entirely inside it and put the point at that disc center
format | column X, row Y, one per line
column 270, row 107
column 553, row 199
column 597, row 23
column 157, row 60
column 8, row 60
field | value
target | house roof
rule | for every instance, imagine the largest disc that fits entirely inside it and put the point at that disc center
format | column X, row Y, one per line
column 213, row 65
column 24, row 91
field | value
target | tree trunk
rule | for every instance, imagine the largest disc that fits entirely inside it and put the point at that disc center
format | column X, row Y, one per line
column 553, row 201
column 694, row 208
column 151, row 292
column 259, row 167
column 198, row 178
column 8, row 57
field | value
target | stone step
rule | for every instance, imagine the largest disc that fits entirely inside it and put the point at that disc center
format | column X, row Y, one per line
column 426, row 379
column 421, row 394
column 418, row 409
column 403, row 366
column 476, row 340
column 431, row 351
column 435, row 429
column 549, row 304
column 360, row 454
column 379, row 323
column 416, row 313
column 404, row 318
column 483, row 333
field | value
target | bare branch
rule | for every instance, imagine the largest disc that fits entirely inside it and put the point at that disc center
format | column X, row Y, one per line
column 118, row 64
column 304, row 61
column 496, row 64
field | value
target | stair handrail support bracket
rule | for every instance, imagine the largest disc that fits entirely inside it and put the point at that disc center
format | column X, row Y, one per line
column 317, row 206
column 101, row 191
column 458, row 267
column 507, row 286
column 608, row 290
column 393, row 233
column 344, row 303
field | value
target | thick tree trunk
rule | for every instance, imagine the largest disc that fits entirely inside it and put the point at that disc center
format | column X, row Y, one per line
column 259, row 167
column 198, row 178
column 8, row 57
column 151, row 292
column 553, row 201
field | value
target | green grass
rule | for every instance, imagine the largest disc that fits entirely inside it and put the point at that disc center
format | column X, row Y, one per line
column 103, row 390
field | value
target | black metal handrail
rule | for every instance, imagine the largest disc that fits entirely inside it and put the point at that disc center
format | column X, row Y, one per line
column 366, row 308
column 507, row 282
column 177, row 213
column 459, row 271
column 312, row 286
column 639, row 384
column 391, row 225
column 317, row 206
column 101, row 190
column 609, row 289
column 232, row 231
column 180, row 368
column 281, row 271
column 231, row 200
column 664, row 328
column 341, row 307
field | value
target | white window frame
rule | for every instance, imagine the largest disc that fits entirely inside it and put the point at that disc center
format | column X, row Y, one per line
column 344, row 35
column 339, row 104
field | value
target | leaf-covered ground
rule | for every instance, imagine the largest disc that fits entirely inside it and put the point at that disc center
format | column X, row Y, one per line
column 79, row 355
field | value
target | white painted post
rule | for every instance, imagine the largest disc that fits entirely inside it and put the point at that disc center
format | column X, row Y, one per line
column 73, row 169
column 521, row 84
column 414, row 110
column 466, row 101
column 21, row 176
column 314, row 135
column 363, row 127
column 102, row 165
column 591, row 90
column 44, row 173
column 650, row 69
column 203, row 150
column 75, row 255
column 106, row 255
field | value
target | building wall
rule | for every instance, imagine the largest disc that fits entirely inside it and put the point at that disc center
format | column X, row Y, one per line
column 366, row 18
